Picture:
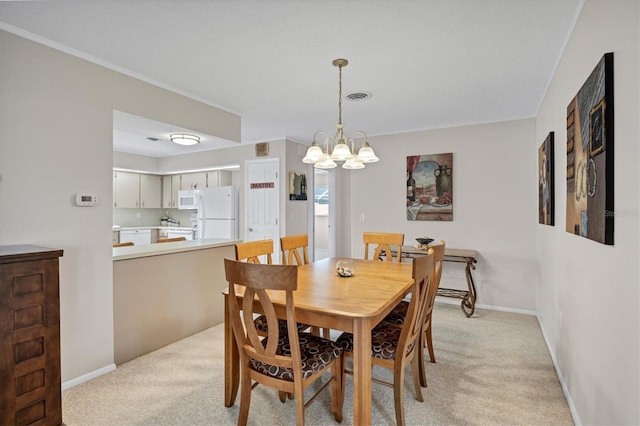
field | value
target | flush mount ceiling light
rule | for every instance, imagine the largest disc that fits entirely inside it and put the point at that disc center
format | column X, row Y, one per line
column 339, row 145
column 184, row 139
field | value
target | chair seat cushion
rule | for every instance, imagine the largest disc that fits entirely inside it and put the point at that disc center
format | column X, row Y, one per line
column 315, row 352
column 398, row 314
column 384, row 341
column 261, row 324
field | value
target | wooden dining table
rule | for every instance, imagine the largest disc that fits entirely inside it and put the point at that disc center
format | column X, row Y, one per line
column 324, row 299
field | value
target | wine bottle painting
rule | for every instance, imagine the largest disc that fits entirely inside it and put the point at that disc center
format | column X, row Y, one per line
column 430, row 187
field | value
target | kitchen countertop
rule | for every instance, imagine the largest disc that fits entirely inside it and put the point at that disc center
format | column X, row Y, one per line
column 134, row 252
column 138, row 228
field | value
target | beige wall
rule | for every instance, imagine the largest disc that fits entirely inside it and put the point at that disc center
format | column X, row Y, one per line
column 494, row 212
column 56, row 119
column 588, row 293
column 297, row 213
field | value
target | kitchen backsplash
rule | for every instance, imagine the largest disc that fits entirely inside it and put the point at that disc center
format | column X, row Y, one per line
column 150, row 217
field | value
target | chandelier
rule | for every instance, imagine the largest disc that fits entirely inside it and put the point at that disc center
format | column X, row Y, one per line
column 340, row 148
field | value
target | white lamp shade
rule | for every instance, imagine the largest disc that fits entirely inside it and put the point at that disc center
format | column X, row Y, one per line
column 341, row 152
column 353, row 164
column 366, row 154
column 313, row 154
column 325, row 162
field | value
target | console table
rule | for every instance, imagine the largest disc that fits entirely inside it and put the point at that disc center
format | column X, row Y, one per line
column 468, row 303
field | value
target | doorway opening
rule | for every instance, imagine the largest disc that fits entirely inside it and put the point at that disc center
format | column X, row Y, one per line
column 323, row 241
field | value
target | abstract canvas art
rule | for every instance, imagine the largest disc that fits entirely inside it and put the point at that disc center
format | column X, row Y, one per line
column 430, row 187
column 546, row 195
column 590, row 209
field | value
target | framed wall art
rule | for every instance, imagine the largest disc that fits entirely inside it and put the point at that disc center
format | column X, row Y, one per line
column 546, row 194
column 262, row 149
column 590, row 209
column 297, row 186
column 430, row 187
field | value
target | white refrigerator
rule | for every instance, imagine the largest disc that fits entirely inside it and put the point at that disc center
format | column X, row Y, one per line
column 218, row 213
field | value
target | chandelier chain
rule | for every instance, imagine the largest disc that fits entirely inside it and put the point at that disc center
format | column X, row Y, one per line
column 340, row 94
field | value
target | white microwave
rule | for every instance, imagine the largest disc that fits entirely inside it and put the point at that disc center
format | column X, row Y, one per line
column 188, row 200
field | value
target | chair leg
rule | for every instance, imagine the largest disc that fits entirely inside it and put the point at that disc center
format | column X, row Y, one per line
column 430, row 344
column 283, row 396
column 416, row 362
column 398, row 395
column 245, row 400
column 299, row 400
column 421, row 367
column 343, row 379
column 337, row 395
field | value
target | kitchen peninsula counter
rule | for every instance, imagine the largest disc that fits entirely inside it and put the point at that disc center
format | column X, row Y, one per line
column 133, row 252
column 165, row 292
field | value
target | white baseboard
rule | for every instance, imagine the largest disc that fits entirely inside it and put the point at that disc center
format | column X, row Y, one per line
column 89, row 376
column 451, row 301
column 565, row 390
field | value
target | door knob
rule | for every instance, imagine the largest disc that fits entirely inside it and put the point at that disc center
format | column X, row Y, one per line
column 250, row 229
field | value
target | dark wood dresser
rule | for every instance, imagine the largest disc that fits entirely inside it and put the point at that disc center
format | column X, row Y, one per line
column 30, row 383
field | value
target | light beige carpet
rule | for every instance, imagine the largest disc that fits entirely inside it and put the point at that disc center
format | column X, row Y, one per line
column 492, row 369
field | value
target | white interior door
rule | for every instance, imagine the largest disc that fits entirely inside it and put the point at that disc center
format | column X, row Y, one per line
column 262, row 205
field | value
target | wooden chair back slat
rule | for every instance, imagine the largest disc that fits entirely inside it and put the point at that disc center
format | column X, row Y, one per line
column 125, row 244
column 423, row 269
column 383, row 242
column 294, row 249
column 438, row 259
column 252, row 250
column 170, row 240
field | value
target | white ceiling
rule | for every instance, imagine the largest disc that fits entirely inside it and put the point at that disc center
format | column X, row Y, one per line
column 428, row 64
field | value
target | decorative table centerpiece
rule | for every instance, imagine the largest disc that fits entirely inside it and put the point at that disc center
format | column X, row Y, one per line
column 423, row 243
column 345, row 268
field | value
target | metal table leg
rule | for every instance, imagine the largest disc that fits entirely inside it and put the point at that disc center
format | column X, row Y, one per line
column 468, row 303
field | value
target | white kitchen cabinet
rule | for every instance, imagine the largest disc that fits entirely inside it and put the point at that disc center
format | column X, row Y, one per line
column 150, row 191
column 135, row 190
column 137, row 237
column 171, row 184
column 196, row 180
column 126, row 193
column 170, row 188
column 218, row 178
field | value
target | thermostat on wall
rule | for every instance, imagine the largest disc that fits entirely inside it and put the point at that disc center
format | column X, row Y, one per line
column 86, row 200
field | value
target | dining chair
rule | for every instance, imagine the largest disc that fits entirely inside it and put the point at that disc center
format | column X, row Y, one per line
column 398, row 314
column 294, row 248
column 294, row 251
column 125, row 244
column 285, row 359
column 250, row 252
column 169, row 240
column 394, row 347
column 383, row 242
